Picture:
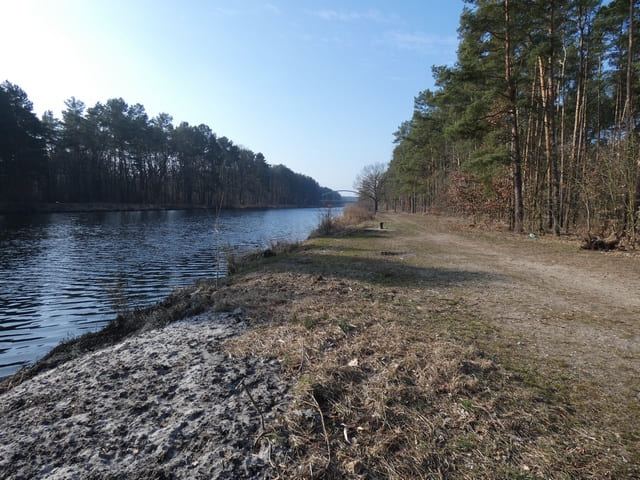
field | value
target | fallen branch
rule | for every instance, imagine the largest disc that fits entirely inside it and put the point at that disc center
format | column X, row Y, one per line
column 592, row 242
column 263, row 431
column 255, row 405
column 316, row 405
column 302, row 355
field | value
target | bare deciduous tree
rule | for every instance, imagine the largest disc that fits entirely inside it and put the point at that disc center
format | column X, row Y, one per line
column 370, row 183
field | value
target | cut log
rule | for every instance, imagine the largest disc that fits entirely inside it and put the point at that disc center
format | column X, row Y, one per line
column 592, row 242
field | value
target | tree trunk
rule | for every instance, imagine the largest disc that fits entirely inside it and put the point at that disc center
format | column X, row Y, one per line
column 635, row 214
column 516, row 161
column 547, row 95
column 578, row 126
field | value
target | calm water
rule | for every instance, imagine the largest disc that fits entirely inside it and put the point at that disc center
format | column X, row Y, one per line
column 66, row 273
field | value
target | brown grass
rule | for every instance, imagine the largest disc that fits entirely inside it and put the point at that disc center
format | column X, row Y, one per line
column 355, row 214
column 352, row 216
column 378, row 397
column 394, row 378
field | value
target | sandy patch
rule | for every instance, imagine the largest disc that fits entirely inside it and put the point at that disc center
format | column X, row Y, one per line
column 168, row 403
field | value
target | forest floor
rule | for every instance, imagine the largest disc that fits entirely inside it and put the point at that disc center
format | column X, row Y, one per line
column 424, row 350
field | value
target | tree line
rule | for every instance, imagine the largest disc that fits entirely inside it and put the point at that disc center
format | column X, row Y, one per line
column 115, row 153
column 536, row 123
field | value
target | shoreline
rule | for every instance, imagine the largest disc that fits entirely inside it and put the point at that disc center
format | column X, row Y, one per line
column 179, row 305
column 396, row 353
column 103, row 295
column 58, row 207
column 167, row 403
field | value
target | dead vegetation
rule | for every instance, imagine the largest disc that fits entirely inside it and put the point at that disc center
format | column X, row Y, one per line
column 594, row 242
column 356, row 214
column 395, row 378
column 381, row 395
column 399, row 378
column 610, row 236
column 353, row 215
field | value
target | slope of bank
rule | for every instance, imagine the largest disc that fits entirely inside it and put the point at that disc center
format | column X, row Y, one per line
column 418, row 351
column 169, row 403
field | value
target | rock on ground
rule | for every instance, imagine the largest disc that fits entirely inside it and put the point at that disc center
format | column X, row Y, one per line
column 168, row 403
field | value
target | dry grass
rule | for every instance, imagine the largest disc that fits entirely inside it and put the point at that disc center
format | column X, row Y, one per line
column 352, row 216
column 328, row 224
column 355, row 214
column 395, row 379
column 377, row 397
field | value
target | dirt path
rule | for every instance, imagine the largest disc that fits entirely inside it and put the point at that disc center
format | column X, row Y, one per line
column 372, row 354
column 578, row 308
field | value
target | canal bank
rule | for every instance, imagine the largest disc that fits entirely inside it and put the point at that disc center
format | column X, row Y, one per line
column 398, row 361
column 64, row 274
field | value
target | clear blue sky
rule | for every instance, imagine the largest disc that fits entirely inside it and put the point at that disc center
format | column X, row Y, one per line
column 319, row 86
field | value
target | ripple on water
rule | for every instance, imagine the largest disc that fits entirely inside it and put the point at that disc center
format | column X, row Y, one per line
column 64, row 274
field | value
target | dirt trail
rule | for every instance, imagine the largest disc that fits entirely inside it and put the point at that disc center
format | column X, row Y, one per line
column 194, row 398
column 579, row 308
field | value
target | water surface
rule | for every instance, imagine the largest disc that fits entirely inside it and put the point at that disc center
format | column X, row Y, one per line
column 63, row 274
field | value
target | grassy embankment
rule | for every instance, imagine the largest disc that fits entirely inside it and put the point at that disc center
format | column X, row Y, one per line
column 395, row 375
column 398, row 377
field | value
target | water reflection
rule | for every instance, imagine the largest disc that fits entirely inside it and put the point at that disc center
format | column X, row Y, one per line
column 66, row 273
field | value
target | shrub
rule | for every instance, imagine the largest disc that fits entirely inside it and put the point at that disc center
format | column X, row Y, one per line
column 356, row 213
column 327, row 224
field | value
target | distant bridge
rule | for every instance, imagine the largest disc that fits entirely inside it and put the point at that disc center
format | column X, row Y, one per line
column 349, row 191
column 327, row 200
column 339, row 191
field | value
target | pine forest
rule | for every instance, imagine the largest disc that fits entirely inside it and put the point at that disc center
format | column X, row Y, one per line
column 114, row 153
column 535, row 125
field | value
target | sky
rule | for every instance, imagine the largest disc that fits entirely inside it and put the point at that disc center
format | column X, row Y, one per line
column 319, row 86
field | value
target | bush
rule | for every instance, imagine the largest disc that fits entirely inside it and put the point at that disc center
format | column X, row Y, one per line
column 327, row 224
column 355, row 214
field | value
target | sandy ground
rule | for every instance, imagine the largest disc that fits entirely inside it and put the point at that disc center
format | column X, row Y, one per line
column 578, row 307
column 164, row 404
column 170, row 403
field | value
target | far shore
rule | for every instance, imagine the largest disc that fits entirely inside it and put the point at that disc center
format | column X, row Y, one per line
column 62, row 207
